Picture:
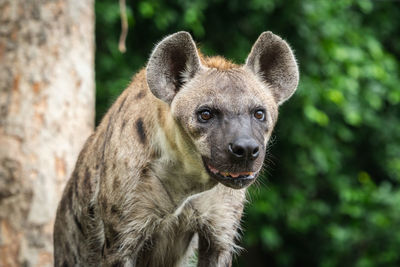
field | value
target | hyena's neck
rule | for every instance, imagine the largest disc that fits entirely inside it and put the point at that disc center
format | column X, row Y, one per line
column 178, row 167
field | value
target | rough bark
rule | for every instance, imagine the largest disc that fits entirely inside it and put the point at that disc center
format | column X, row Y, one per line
column 46, row 113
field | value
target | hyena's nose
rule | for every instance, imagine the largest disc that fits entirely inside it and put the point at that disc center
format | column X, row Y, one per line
column 244, row 148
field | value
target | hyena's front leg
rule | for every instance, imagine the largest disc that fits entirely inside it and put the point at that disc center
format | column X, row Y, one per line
column 212, row 254
column 114, row 255
column 121, row 247
column 218, row 227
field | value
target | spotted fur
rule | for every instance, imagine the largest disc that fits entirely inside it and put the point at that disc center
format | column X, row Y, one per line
column 140, row 194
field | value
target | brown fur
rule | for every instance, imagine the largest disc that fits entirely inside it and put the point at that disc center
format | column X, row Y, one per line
column 217, row 62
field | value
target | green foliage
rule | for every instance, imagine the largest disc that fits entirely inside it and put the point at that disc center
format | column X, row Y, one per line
column 330, row 195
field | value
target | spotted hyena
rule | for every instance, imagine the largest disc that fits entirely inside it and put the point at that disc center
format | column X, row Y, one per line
column 166, row 171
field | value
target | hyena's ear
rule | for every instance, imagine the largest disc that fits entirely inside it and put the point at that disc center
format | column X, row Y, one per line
column 272, row 60
column 173, row 61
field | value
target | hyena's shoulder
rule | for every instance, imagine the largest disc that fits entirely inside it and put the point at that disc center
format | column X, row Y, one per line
column 100, row 174
column 131, row 122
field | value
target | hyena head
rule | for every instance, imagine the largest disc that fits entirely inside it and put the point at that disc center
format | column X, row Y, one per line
column 227, row 111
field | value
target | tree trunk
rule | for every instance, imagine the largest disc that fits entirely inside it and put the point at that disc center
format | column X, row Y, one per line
column 46, row 113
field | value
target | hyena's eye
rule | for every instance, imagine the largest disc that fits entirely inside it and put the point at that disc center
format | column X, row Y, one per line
column 204, row 115
column 259, row 115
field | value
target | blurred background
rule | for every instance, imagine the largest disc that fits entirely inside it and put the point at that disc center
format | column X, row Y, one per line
column 330, row 195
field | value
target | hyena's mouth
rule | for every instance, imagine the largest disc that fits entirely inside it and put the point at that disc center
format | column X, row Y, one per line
column 236, row 180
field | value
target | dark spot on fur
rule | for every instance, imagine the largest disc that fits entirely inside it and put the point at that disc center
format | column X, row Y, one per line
column 159, row 111
column 141, row 94
column 78, row 253
column 144, row 258
column 123, row 125
column 114, row 166
column 114, row 209
column 107, row 243
column 144, row 174
column 67, row 249
column 155, row 154
column 103, row 250
column 145, row 171
column 65, row 264
column 103, row 171
column 122, row 104
column 141, row 131
column 161, row 115
column 78, row 223
column 116, row 183
column 91, row 211
column 104, row 204
column 76, row 187
column 111, row 235
column 87, row 174
column 117, row 264
column 86, row 183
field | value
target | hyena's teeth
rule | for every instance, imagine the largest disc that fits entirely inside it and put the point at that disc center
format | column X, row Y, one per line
column 235, row 175
column 212, row 169
column 229, row 174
